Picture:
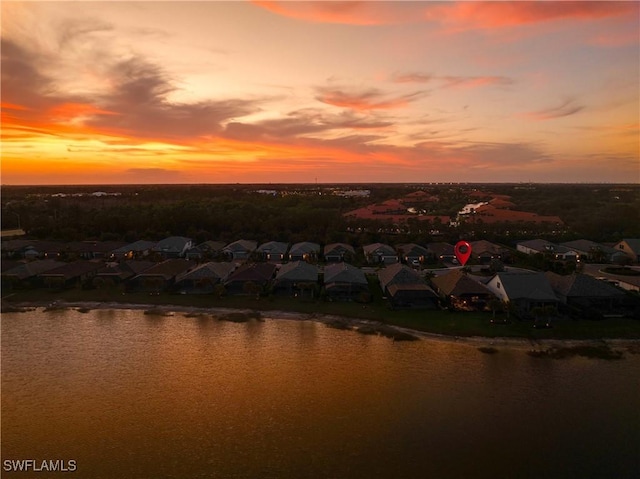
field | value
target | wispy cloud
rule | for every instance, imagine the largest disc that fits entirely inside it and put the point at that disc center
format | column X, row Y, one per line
column 366, row 99
column 566, row 108
column 453, row 81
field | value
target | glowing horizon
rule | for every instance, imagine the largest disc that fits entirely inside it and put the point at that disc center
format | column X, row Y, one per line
column 335, row 92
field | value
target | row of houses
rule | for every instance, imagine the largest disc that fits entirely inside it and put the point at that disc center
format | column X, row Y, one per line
column 401, row 285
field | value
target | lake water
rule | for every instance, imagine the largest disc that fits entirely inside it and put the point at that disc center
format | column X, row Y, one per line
column 126, row 395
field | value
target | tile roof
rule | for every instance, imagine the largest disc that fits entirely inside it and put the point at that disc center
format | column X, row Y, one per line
column 298, row 271
column 398, row 274
column 579, row 285
column 338, row 248
column 456, row 283
column 343, row 273
column 527, row 285
column 211, row 270
column 259, row 272
column 33, row 268
column 72, row 270
column 168, row 268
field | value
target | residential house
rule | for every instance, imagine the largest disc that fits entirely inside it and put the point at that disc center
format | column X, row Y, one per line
column 379, row 253
column 412, row 253
column 240, row 250
column 26, row 275
column 173, row 247
column 540, row 246
column 338, row 252
column 136, row 250
column 484, row 252
column 405, row 288
column 203, row 278
column 526, row 290
column 585, row 291
column 274, row 251
column 206, row 251
column 77, row 273
column 304, row 251
column 344, row 282
column 462, row 292
column 250, row 277
column 93, row 249
column 440, row 251
column 117, row 273
column 630, row 247
column 160, row 277
column 591, row 251
column 297, row 278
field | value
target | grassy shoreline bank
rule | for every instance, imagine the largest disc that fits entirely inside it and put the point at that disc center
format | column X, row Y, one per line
column 440, row 323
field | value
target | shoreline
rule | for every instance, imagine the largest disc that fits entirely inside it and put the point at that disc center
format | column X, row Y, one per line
column 339, row 322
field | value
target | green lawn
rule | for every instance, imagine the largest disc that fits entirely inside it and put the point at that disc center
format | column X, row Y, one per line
column 439, row 322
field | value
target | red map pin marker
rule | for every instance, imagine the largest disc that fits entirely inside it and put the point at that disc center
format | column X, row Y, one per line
column 462, row 251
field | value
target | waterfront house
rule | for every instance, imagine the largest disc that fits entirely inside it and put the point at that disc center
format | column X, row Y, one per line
column 77, row 273
column 304, row 251
column 461, row 291
column 405, row 288
column 338, row 252
column 26, row 274
column 114, row 273
column 160, row 277
column 297, row 278
column 203, row 278
column 250, row 278
column 585, row 291
column 525, row 289
column 344, row 282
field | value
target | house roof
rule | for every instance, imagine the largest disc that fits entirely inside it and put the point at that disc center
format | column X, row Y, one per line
column 34, row 268
column 398, row 273
column 344, row 273
column 484, row 246
column 526, row 285
column 126, row 269
column 137, row 246
column 240, row 246
column 338, row 248
column 73, row 270
column 394, row 288
column 168, row 268
column 456, row 283
column 211, row 270
column 172, row 244
column 634, row 244
column 581, row 285
column 298, row 271
column 274, row 247
column 211, row 246
column 304, row 247
column 586, row 246
column 258, row 272
column 379, row 248
column 441, row 249
column 94, row 246
column 412, row 249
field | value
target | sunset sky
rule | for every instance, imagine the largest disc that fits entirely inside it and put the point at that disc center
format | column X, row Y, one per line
column 256, row 92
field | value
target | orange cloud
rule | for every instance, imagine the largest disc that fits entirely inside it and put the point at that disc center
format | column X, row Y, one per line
column 488, row 15
column 566, row 108
column 371, row 99
column 461, row 15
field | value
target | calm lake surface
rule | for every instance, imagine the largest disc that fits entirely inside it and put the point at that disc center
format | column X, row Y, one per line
column 132, row 396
